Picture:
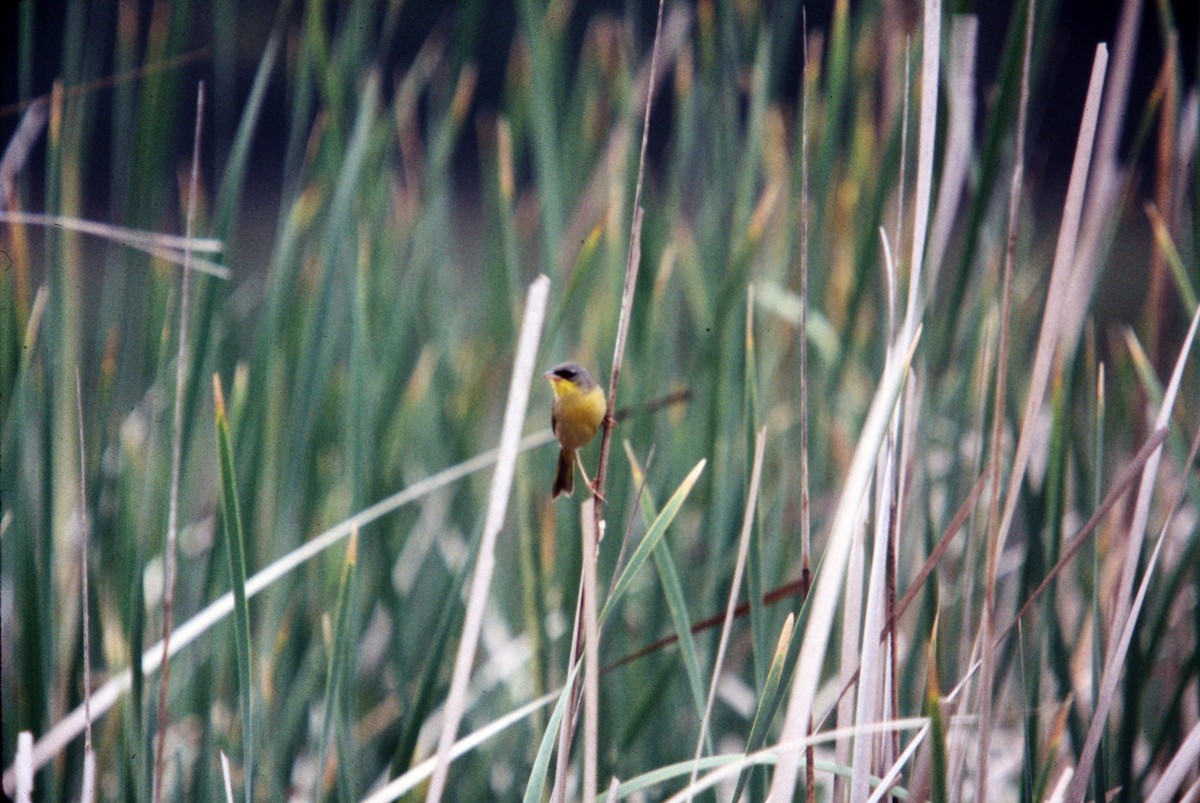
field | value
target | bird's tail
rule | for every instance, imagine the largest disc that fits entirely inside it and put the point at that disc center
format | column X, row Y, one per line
column 564, row 479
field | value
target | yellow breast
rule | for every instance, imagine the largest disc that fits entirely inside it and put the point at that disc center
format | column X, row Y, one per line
column 577, row 413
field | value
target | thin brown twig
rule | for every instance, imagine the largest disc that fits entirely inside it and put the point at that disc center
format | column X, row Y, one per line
column 181, row 368
column 810, row 776
column 798, row 588
column 1124, row 482
column 597, row 489
column 805, row 501
column 111, row 80
column 994, row 518
column 918, row 583
column 631, row 271
column 790, row 589
column 654, row 405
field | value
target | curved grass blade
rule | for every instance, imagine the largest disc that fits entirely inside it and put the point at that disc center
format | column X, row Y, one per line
column 541, row 763
column 235, row 543
column 415, row 776
column 337, row 655
column 768, row 701
column 650, row 541
column 681, row 617
column 937, row 727
column 730, row 765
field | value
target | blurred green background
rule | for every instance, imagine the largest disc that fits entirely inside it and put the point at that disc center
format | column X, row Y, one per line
column 387, row 179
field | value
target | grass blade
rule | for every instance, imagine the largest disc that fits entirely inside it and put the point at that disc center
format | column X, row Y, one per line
column 235, row 549
column 650, row 541
column 769, row 699
column 734, row 588
column 541, row 763
column 510, row 437
column 831, row 572
column 418, row 774
column 181, row 372
column 338, row 653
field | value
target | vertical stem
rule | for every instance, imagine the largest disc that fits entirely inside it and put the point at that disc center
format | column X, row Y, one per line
column 631, row 272
column 510, row 438
column 591, row 682
column 993, row 556
column 181, row 371
column 810, row 777
column 89, row 758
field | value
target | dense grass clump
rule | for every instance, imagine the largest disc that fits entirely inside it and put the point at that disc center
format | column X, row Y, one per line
column 901, row 490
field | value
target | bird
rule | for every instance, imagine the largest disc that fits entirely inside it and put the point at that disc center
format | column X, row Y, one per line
column 579, row 410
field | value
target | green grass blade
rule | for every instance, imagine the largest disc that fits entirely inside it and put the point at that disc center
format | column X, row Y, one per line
column 338, row 654
column 768, row 700
column 235, row 546
column 682, row 621
column 541, row 763
column 650, row 540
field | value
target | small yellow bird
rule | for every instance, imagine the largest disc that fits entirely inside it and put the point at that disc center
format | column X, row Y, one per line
column 579, row 410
